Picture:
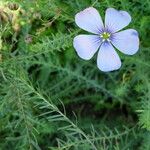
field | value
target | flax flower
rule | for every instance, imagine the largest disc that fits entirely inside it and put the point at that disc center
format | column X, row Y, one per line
column 106, row 37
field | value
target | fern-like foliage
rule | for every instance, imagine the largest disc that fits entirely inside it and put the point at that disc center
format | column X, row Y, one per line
column 51, row 99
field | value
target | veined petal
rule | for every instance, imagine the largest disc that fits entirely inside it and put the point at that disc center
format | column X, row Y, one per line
column 126, row 41
column 86, row 45
column 108, row 59
column 89, row 20
column 116, row 20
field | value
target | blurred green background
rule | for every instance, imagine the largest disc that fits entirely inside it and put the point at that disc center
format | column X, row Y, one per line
column 50, row 99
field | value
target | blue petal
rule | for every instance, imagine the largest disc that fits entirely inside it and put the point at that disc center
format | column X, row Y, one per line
column 126, row 41
column 89, row 20
column 116, row 20
column 108, row 59
column 86, row 45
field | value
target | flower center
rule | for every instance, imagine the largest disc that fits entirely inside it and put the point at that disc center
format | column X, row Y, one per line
column 105, row 36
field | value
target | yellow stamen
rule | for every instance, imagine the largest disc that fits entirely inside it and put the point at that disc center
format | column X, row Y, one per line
column 105, row 35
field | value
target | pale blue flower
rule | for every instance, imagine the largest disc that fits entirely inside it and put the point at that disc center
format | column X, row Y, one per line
column 105, row 37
